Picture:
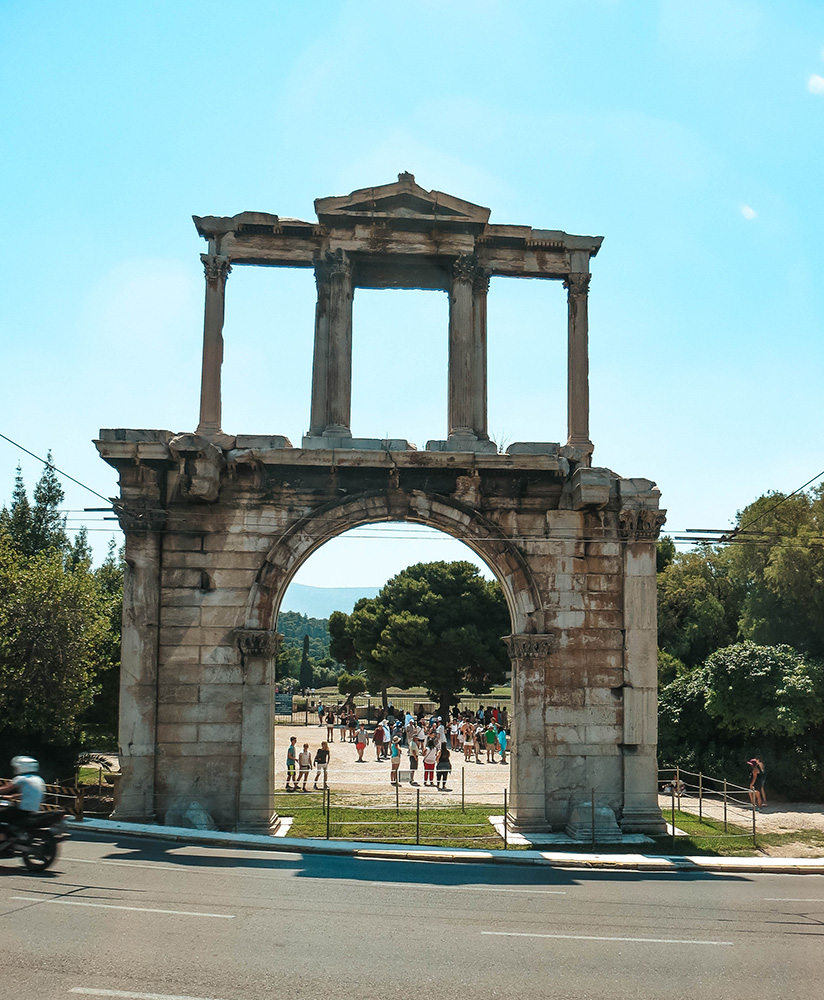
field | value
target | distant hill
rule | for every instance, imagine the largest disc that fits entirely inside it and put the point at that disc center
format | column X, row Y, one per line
column 320, row 602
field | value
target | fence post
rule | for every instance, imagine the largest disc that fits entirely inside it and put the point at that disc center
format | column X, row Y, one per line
column 417, row 815
column 592, row 818
column 700, row 797
column 397, row 798
column 754, row 843
column 79, row 802
column 506, row 837
column 725, row 805
column 678, row 783
column 672, row 792
column 328, row 797
column 463, row 786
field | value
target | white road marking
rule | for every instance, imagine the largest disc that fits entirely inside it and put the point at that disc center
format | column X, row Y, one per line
column 85, row 991
column 113, row 906
column 590, row 937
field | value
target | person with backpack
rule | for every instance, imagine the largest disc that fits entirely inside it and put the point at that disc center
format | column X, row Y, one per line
column 443, row 766
column 430, row 759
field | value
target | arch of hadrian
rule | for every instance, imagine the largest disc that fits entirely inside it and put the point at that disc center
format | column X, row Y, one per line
column 218, row 523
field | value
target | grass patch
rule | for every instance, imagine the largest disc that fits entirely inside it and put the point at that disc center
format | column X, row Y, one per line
column 446, row 827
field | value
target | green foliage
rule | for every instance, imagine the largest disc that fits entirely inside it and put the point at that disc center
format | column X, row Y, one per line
column 351, row 685
column 781, row 571
column 53, row 633
column 305, row 676
column 698, row 605
column 438, row 625
column 664, row 554
column 764, row 689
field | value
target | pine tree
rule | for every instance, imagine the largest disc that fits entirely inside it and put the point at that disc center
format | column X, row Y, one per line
column 17, row 520
column 48, row 526
column 306, row 672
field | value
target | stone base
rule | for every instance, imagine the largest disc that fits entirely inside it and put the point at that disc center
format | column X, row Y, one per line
column 336, row 442
column 643, row 821
column 263, row 828
column 580, row 825
column 464, row 443
column 528, row 824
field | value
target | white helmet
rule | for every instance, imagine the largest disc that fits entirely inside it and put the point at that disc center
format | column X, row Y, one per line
column 24, row 765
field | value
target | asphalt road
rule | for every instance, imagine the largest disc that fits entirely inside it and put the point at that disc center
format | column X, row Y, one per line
column 141, row 919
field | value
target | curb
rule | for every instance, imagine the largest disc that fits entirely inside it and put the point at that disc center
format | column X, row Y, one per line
column 389, row 852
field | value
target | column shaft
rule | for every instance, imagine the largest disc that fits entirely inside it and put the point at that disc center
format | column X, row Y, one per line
column 339, row 371
column 319, row 417
column 216, row 269
column 461, row 355
column 480, row 288
column 578, row 362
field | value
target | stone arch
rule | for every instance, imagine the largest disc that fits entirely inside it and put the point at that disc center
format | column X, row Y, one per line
column 484, row 537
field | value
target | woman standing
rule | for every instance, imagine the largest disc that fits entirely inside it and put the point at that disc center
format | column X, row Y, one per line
column 395, row 752
column 360, row 742
column 502, row 743
column 330, row 726
column 322, row 763
column 443, row 766
column 430, row 759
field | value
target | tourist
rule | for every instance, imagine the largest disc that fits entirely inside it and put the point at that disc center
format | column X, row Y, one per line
column 468, row 734
column 353, row 725
column 430, row 759
column 396, row 759
column 502, row 743
column 420, row 734
column 304, row 767
column 377, row 739
column 360, row 742
column 443, row 766
column 756, row 783
column 320, row 713
column 322, row 763
column 291, row 762
column 411, row 730
column 453, row 733
column 490, row 738
column 387, row 738
column 330, row 726
column 414, row 754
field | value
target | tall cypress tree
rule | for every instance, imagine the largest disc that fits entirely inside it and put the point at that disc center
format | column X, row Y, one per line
column 48, row 524
column 306, row 673
column 17, row 520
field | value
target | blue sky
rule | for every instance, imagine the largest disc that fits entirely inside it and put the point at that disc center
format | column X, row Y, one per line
column 689, row 134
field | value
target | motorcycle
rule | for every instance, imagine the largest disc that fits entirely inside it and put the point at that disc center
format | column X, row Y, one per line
column 35, row 841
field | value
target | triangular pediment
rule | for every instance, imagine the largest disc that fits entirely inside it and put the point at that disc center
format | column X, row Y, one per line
column 402, row 200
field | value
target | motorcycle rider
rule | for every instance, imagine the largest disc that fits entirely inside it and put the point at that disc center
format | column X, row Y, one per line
column 31, row 788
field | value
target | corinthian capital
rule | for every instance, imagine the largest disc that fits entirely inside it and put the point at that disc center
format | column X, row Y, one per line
column 257, row 642
column 215, row 268
column 529, row 647
column 640, row 523
column 577, row 284
column 333, row 264
column 465, row 267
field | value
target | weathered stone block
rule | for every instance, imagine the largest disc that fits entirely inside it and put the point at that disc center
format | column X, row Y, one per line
column 222, row 616
column 220, row 655
column 178, row 655
column 179, row 616
column 182, row 542
column 176, row 733
column 191, row 579
column 218, row 732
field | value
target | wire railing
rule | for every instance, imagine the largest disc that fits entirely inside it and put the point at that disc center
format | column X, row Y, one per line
column 716, row 798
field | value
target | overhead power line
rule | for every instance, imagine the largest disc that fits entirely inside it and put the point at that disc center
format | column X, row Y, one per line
column 51, row 465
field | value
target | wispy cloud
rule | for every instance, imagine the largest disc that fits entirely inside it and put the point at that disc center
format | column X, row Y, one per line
column 748, row 212
column 815, row 84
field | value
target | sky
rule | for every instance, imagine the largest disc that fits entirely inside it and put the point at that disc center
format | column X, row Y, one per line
column 690, row 135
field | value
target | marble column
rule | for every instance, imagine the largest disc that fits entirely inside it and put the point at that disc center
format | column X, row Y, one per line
column 480, row 288
column 258, row 652
column 142, row 522
column 319, row 417
column 339, row 370
column 577, row 286
column 528, row 794
column 216, row 269
column 461, row 349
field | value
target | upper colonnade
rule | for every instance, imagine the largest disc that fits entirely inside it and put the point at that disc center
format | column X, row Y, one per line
column 400, row 236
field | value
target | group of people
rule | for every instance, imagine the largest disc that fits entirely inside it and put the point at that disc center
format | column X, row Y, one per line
column 428, row 741
column 758, row 795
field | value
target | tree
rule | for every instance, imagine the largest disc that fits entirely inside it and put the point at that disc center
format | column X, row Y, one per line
column 48, row 525
column 698, row 605
column 350, row 685
column 305, row 677
column 779, row 565
column 435, row 624
column 763, row 689
column 53, row 633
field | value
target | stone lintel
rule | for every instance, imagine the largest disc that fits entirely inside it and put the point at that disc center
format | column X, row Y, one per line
column 329, row 442
column 464, row 443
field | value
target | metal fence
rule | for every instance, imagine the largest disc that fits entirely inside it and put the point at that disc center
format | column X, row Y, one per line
column 716, row 798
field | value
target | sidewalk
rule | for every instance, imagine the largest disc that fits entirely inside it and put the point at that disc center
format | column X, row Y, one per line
column 384, row 852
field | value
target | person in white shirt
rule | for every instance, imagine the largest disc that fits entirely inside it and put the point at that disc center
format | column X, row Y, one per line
column 31, row 788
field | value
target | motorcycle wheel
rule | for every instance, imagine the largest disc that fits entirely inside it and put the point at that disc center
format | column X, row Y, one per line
column 41, row 852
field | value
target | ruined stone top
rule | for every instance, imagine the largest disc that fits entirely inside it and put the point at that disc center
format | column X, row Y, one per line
column 398, row 218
